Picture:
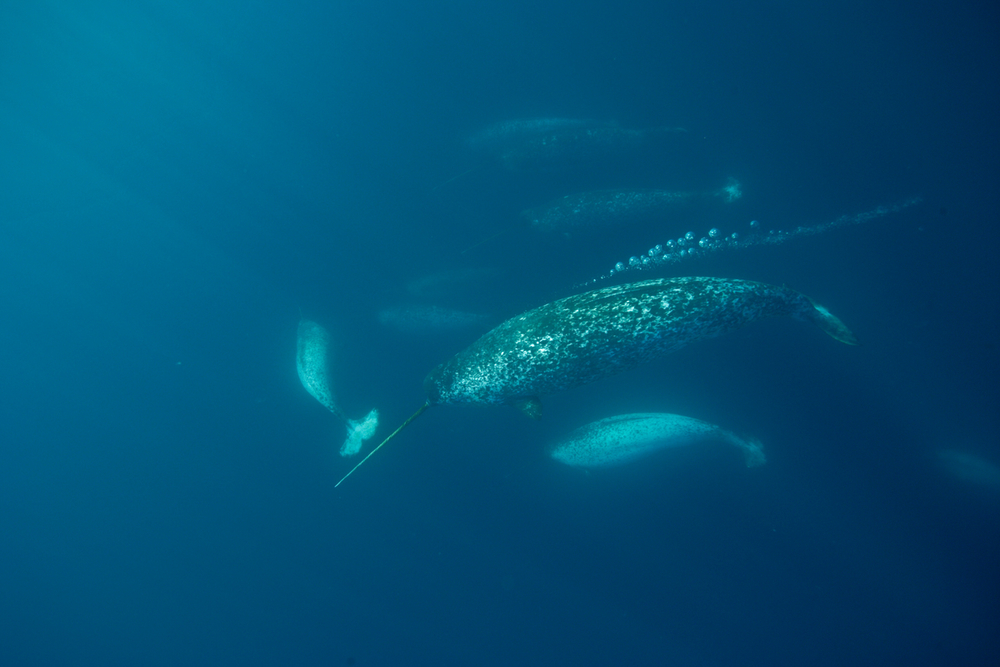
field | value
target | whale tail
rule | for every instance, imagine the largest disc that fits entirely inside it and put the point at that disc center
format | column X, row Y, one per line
column 753, row 452
column 752, row 448
column 830, row 323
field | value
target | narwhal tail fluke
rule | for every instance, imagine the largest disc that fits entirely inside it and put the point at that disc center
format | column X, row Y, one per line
column 390, row 437
column 830, row 323
column 753, row 450
column 359, row 430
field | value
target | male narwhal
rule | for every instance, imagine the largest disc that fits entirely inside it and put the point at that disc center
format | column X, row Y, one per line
column 577, row 340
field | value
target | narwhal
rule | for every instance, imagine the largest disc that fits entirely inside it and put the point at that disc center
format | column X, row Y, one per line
column 586, row 211
column 619, row 440
column 541, row 143
column 587, row 337
column 311, row 362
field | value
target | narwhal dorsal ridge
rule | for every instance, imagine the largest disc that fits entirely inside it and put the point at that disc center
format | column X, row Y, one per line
column 590, row 336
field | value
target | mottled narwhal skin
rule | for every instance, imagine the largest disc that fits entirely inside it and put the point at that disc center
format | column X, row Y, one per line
column 311, row 361
column 580, row 339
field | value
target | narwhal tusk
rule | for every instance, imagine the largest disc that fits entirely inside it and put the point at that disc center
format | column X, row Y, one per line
column 390, row 437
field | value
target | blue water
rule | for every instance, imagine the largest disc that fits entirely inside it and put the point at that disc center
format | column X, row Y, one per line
column 182, row 181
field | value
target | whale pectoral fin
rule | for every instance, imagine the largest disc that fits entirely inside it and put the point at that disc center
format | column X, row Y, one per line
column 831, row 324
column 531, row 406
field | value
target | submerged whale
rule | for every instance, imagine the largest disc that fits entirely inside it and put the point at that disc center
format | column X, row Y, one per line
column 622, row 439
column 540, row 143
column 587, row 337
column 507, row 134
column 617, row 208
column 311, row 361
column 577, row 340
column 421, row 319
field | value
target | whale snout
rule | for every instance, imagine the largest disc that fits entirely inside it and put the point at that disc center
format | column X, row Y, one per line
column 432, row 385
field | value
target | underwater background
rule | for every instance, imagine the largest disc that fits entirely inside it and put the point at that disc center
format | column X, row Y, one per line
column 183, row 182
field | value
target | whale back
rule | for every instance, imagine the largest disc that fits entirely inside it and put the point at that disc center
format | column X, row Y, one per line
column 590, row 336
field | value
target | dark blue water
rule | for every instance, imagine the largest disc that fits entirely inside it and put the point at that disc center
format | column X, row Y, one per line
column 182, row 181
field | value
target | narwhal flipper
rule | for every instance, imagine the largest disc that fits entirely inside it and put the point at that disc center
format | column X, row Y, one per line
column 829, row 323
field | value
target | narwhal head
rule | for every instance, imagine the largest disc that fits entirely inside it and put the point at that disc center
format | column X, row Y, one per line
column 435, row 386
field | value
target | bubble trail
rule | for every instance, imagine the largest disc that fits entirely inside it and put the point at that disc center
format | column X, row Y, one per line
column 690, row 246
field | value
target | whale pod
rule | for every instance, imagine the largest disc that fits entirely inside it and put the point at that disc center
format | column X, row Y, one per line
column 590, row 336
column 622, row 439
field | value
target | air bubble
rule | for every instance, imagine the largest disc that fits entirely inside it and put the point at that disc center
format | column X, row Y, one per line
column 687, row 246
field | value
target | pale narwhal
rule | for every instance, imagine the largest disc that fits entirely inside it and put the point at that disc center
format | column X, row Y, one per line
column 311, row 362
column 622, row 439
column 587, row 337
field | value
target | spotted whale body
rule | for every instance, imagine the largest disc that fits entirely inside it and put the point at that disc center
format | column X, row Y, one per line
column 580, row 339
